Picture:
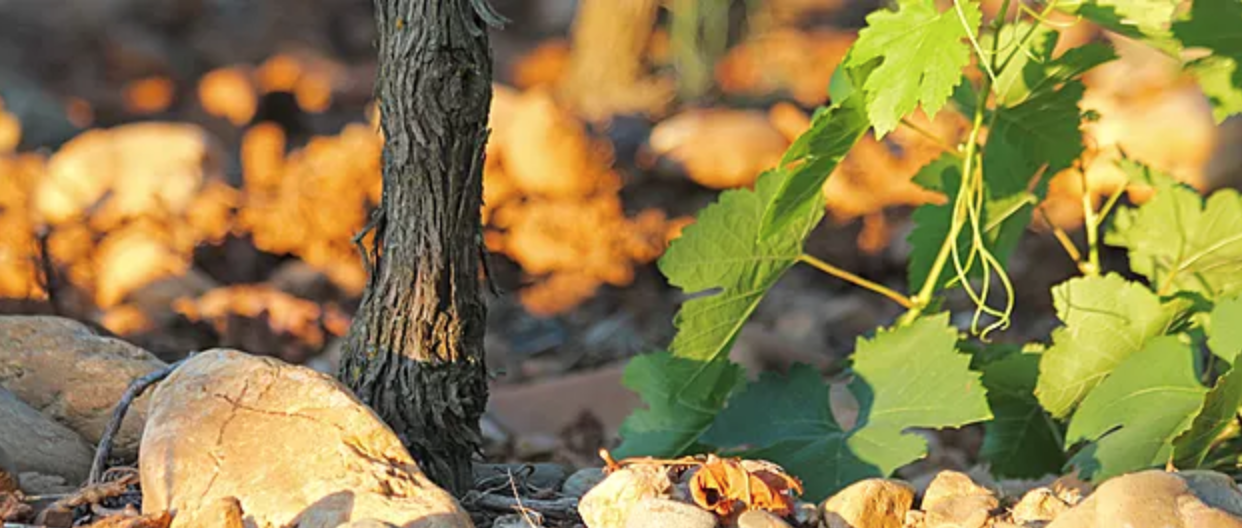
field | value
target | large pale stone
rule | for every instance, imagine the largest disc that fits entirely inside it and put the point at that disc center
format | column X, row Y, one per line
column 1147, row 498
column 293, row 446
column 33, row 442
column 610, row 503
column 64, row 370
column 871, row 503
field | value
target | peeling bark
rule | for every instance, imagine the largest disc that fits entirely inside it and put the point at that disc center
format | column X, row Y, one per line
column 414, row 353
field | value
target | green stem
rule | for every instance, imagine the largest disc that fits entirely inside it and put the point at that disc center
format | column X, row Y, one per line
column 1091, row 267
column 1108, row 206
column 839, row 273
column 1062, row 237
column 974, row 42
column 923, row 298
column 1029, row 33
column 944, row 145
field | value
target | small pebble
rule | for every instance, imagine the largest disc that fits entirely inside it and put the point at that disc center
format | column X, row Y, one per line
column 760, row 519
column 806, row 514
column 669, row 514
column 579, row 483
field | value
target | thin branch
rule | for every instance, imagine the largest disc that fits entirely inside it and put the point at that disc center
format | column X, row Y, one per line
column 937, row 140
column 564, row 508
column 839, row 273
column 135, row 389
column 1062, row 237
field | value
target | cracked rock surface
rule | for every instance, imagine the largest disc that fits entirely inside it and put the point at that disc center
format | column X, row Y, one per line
column 293, row 446
column 64, row 370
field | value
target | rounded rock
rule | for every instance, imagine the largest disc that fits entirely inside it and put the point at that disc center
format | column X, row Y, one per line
column 581, row 481
column 760, row 519
column 871, row 503
column 294, row 446
column 38, row 444
column 668, row 514
column 64, row 370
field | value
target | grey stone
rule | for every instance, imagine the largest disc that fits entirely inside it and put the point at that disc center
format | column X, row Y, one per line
column 38, row 444
column 581, row 481
column 1215, row 489
column 64, row 370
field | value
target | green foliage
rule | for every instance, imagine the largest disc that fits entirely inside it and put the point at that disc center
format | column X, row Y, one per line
column 1217, row 26
column 735, row 251
column 1218, row 77
column 1180, row 243
column 1106, row 320
column 906, row 377
column 1225, row 332
column 1146, row 20
column 1036, row 72
column 932, row 222
column 1118, row 388
column 922, row 53
column 813, row 157
column 1223, row 401
column 1021, row 441
column 682, row 398
column 1134, row 415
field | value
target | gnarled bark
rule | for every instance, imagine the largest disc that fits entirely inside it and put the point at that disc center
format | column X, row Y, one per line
column 415, row 350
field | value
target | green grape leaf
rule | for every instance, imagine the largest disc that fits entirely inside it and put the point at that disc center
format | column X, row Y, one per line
column 1119, row 417
column 722, row 260
column 1107, row 319
column 1035, row 72
column 1222, row 402
column 682, row 397
column 923, row 50
column 1021, row 441
column 722, row 253
column 1217, row 26
column 907, row 377
column 1220, row 80
column 1225, row 333
column 816, row 153
column 1179, row 242
column 1039, row 134
column 1146, row 20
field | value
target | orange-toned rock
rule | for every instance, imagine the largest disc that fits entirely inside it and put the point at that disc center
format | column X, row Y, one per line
column 294, row 447
column 952, row 499
column 720, row 148
column 785, row 60
column 547, row 151
column 1146, row 498
column 148, row 168
column 871, row 503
